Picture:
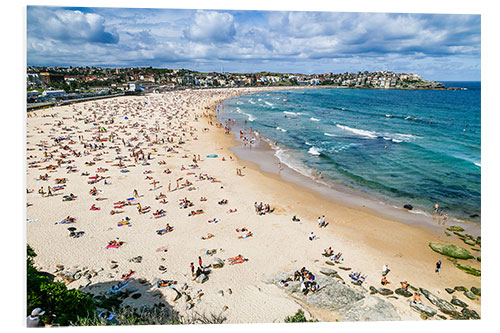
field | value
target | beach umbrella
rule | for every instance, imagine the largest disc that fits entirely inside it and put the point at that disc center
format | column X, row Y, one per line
column 71, row 228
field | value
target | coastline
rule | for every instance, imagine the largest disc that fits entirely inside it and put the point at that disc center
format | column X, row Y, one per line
column 367, row 240
column 265, row 157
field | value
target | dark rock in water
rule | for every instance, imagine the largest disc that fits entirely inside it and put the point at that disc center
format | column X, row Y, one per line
column 408, row 206
column 403, row 292
column 474, row 215
column 451, row 250
column 444, row 306
column 373, row 290
column 136, row 296
column 425, row 310
column 385, row 291
column 457, row 302
column 449, row 290
column 476, row 291
column 460, row 288
column 470, row 314
column 470, row 295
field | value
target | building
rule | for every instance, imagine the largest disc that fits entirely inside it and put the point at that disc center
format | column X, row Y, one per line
column 51, row 77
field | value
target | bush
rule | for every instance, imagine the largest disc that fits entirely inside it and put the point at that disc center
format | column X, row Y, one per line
column 299, row 317
column 61, row 305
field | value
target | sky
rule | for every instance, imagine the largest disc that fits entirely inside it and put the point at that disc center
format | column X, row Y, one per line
column 445, row 47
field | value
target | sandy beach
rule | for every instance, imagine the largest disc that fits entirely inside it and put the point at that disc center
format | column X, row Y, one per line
column 160, row 145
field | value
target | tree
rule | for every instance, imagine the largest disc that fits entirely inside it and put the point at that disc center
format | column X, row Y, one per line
column 61, row 305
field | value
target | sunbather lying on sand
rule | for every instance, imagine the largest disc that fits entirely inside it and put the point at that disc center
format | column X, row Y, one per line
column 128, row 275
column 223, row 202
column 93, row 207
column 328, row 252
column 211, row 252
column 168, row 228
column 196, row 212
column 208, row 236
column 113, row 212
column 214, row 220
column 295, row 219
column 236, row 260
column 384, row 281
column 248, row 234
column 232, row 211
column 114, row 244
column 166, row 283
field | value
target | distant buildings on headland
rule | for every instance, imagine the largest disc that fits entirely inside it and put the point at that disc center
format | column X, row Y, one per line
column 53, row 82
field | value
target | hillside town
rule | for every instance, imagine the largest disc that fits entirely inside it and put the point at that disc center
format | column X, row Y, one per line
column 46, row 83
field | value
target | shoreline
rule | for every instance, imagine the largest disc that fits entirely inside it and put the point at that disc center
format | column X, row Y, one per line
column 367, row 240
column 262, row 153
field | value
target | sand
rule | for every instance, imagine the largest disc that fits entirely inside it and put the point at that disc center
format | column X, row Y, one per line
column 366, row 239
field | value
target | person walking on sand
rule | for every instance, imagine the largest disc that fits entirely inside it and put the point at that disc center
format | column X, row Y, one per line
column 438, row 266
column 192, row 269
column 136, row 194
column 169, row 185
column 49, row 192
column 200, row 262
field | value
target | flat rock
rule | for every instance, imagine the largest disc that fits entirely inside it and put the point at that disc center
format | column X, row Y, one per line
column 451, row 250
column 345, row 268
column 331, row 263
column 457, row 302
column 444, row 306
column 373, row 290
column 217, row 263
column 202, row 278
column 403, row 292
column 476, row 291
column 449, row 290
column 460, row 288
column 423, row 309
column 455, row 228
column 470, row 295
column 352, row 305
column 385, row 291
column 328, row 271
column 470, row 314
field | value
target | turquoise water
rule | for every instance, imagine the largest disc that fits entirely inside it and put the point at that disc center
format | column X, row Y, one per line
column 403, row 146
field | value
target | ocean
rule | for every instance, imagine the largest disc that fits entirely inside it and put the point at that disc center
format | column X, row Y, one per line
column 418, row 147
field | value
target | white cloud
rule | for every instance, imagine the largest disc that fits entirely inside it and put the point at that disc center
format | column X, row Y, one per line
column 209, row 26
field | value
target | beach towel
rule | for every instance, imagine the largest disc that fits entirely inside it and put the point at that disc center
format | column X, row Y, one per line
column 124, row 223
column 212, row 156
column 211, row 252
column 125, row 278
column 109, row 246
column 117, row 288
column 31, row 220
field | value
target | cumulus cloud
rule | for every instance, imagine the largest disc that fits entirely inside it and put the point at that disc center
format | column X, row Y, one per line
column 268, row 40
column 210, row 26
column 68, row 26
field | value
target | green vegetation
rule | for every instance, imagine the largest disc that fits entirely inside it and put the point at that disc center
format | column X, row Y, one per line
column 468, row 269
column 299, row 317
column 61, row 305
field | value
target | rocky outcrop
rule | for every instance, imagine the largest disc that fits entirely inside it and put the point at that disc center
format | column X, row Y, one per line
column 457, row 302
column 468, row 269
column 449, row 290
column 385, row 291
column 332, row 294
column 451, row 250
column 202, row 278
column 470, row 314
column 470, row 295
column 423, row 309
column 476, row 291
column 217, row 263
column 443, row 305
column 403, row 292
column 455, row 228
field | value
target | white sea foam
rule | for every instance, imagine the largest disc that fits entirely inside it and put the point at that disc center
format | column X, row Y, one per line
column 314, row 119
column 309, row 144
column 314, row 151
column 250, row 117
column 281, row 129
column 368, row 134
column 291, row 113
column 251, row 101
column 478, row 164
column 328, row 134
column 270, row 104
